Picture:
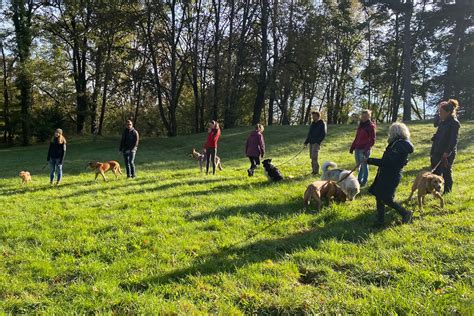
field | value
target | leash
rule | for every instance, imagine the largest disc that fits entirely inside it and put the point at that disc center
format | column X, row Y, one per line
column 439, row 163
column 297, row 154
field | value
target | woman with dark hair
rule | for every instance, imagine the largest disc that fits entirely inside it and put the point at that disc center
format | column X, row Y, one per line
column 56, row 153
column 445, row 141
column 389, row 173
column 214, row 132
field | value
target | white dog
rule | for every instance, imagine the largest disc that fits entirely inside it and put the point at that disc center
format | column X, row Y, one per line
column 350, row 186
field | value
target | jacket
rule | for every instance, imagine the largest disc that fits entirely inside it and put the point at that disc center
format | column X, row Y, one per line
column 445, row 140
column 56, row 151
column 130, row 139
column 317, row 133
column 212, row 138
column 255, row 145
column 390, row 168
column 365, row 136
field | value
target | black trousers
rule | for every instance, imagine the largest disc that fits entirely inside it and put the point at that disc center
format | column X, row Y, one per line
column 254, row 162
column 390, row 203
column 211, row 156
column 444, row 170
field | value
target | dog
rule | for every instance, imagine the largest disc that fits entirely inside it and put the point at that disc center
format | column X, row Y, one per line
column 427, row 182
column 323, row 190
column 201, row 158
column 349, row 185
column 102, row 167
column 272, row 172
column 25, row 177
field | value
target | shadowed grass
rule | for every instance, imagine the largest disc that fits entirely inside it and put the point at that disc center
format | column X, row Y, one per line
column 176, row 241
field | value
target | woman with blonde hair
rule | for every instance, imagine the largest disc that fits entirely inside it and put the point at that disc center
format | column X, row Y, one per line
column 255, row 148
column 389, row 172
column 445, row 141
column 56, row 153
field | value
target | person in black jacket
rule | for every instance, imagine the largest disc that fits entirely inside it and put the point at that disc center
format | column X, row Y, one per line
column 445, row 140
column 128, row 147
column 56, row 153
column 389, row 172
column 316, row 135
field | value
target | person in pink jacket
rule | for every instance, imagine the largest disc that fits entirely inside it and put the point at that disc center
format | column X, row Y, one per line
column 255, row 148
column 362, row 144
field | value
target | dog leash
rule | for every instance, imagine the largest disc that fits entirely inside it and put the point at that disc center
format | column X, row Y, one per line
column 439, row 163
column 297, row 154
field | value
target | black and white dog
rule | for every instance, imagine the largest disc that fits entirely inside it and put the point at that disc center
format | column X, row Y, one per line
column 272, row 172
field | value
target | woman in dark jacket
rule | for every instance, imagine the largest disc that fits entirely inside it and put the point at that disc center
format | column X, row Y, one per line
column 255, row 148
column 445, row 140
column 56, row 153
column 389, row 173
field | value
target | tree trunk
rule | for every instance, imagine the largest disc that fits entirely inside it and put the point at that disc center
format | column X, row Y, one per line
column 274, row 70
column 407, row 52
column 262, row 78
column 7, row 135
column 215, row 105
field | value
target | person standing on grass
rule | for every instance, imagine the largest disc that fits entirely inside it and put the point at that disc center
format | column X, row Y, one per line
column 56, row 153
column 255, row 148
column 214, row 132
column 128, row 147
column 389, row 172
column 362, row 144
column 445, row 140
column 316, row 135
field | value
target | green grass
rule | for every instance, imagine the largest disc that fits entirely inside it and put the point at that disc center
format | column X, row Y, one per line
column 176, row 241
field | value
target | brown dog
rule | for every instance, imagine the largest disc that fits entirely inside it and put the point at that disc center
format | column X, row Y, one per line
column 427, row 182
column 102, row 167
column 25, row 177
column 319, row 190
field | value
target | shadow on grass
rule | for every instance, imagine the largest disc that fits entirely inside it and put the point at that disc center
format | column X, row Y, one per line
column 324, row 227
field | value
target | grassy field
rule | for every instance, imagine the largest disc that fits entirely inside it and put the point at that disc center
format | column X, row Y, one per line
column 175, row 241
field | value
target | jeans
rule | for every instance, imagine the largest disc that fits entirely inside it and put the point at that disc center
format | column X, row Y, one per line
column 129, row 157
column 360, row 156
column 254, row 162
column 444, row 170
column 211, row 154
column 55, row 166
column 313, row 154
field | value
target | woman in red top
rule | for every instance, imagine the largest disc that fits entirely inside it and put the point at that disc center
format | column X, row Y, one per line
column 214, row 132
column 363, row 142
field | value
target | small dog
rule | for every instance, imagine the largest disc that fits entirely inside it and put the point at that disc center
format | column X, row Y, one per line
column 319, row 190
column 25, row 177
column 272, row 172
column 102, row 167
column 349, row 185
column 427, row 182
column 201, row 158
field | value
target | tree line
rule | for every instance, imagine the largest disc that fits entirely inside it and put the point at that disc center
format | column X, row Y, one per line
column 170, row 66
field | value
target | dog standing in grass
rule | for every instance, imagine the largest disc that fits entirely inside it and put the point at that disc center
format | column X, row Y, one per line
column 201, row 159
column 323, row 190
column 426, row 183
column 102, row 167
column 25, row 177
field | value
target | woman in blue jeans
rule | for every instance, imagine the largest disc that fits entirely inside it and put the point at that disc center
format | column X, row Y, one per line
column 362, row 144
column 56, row 153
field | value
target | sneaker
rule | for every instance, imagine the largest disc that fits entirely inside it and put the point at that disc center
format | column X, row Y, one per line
column 407, row 218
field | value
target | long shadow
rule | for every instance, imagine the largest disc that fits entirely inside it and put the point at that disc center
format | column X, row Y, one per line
column 230, row 259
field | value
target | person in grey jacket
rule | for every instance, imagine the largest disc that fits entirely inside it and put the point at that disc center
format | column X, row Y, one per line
column 316, row 135
column 128, row 147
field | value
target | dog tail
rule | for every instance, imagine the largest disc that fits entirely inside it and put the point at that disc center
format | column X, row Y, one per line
column 326, row 166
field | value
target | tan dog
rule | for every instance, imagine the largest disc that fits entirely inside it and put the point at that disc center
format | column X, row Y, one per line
column 319, row 190
column 25, row 177
column 102, row 167
column 426, row 183
column 201, row 158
